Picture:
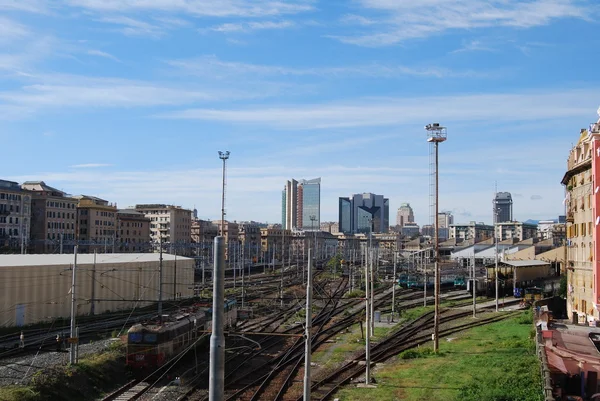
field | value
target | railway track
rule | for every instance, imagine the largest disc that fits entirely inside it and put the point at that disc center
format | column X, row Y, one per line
column 131, row 391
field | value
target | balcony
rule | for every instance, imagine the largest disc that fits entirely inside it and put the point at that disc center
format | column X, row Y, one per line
column 570, row 218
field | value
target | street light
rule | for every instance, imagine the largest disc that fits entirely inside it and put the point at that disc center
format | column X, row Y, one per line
column 371, row 272
column 436, row 134
column 496, row 211
column 223, row 156
column 313, row 218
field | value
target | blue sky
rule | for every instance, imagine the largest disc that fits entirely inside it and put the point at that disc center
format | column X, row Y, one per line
column 130, row 100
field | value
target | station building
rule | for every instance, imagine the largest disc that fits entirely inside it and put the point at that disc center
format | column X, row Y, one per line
column 37, row 288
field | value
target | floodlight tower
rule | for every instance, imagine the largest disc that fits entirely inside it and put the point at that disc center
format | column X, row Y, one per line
column 435, row 135
column 223, row 156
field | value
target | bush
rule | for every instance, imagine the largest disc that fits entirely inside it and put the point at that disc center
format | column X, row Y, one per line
column 354, row 294
column 525, row 318
column 423, row 352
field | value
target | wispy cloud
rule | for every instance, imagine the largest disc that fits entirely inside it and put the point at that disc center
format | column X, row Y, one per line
column 473, row 46
column 100, row 53
column 134, row 27
column 11, row 30
column 249, row 26
column 90, row 165
column 33, row 6
column 215, row 67
column 395, row 111
column 221, row 8
column 398, row 21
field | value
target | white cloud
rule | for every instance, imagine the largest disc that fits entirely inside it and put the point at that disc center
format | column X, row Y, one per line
column 33, row 6
column 214, row 67
column 473, row 46
column 134, row 27
column 90, row 165
column 397, row 111
column 100, row 53
column 11, row 30
column 399, row 20
column 200, row 8
column 250, row 26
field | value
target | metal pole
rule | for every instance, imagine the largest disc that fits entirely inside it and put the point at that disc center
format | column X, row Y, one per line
column 160, row 276
column 436, row 318
column 308, row 345
column 394, row 289
column 496, row 274
column 424, row 267
column 217, row 339
column 372, row 277
column 474, row 286
column 61, row 243
column 367, row 325
column 72, row 356
column 93, row 304
column 243, row 274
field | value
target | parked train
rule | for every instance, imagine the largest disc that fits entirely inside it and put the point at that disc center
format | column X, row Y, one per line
column 152, row 344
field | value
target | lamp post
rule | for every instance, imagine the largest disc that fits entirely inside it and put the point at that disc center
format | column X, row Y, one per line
column 223, row 156
column 436, row 134
column 313, row 218
column 496, row 228
column 372, row 278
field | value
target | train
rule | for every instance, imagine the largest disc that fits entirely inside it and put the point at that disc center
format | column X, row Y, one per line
column 152, row 344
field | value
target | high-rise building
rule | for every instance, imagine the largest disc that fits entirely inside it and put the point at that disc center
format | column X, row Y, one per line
column 444, row 221
column 362, row 213
column 301, row 205
column 15, row 216
column 404, row 215
column 503, row 210
column 310, row 204
column 53, row 218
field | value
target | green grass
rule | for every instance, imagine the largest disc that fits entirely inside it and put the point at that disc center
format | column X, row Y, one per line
column 496, row 362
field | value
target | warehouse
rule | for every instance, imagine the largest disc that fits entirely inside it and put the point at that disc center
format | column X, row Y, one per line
column 36, row 288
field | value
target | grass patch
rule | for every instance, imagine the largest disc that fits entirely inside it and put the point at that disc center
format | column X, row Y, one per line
column 496, row 362
column 355, row 294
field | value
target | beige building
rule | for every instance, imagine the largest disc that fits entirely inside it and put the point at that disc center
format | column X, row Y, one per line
column 578, row 181
column 96, row 225
column 15, row 217
column 250, row 237
column 133, row 231
column 37, row 288
column 404, row 215
column 174, row 222
column 53, row 219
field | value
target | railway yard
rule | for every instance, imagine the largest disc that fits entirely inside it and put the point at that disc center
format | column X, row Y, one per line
column 265, row 349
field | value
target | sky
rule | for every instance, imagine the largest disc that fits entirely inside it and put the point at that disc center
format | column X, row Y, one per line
column 131, row 100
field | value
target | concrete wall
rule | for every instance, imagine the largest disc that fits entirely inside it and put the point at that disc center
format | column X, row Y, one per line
column 31, row 294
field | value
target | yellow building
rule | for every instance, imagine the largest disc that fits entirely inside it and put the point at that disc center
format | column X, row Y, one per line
column 96, row 225
column 578, row 181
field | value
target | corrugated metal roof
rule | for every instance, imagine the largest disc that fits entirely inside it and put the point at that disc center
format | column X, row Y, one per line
column 67, row 259
column 523, row 263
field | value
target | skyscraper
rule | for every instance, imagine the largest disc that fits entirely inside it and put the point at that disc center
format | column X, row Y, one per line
column 404, row 215
column 301, row 200
column 364, row 212
column 502, row 210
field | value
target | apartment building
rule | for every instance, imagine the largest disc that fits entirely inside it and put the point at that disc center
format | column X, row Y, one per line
column 53, row 218
column 96, row 225
column 173, row 222
column 133, row 231
column 515, row 229
column 472, row 231
column 15, row 217
column 583, row 169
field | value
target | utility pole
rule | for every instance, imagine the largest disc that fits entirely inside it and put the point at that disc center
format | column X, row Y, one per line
column 372, row 277
column 308, row 345
column 436, row 135
column 243, row 274
column 474, row 287
column 175, row 276
column 394, row 288
column 424, row 266
column 72, row 352
column 367, row 329
column 217, row 339
column 93, row 304
column 61, row 243
column 160, row 275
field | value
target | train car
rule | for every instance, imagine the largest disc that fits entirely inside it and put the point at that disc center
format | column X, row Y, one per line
column 459, row 282
column 153, row 344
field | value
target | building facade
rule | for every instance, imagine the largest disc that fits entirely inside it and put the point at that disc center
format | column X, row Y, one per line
column 444, row 221
column 410, row 230
column 365, row 212
column 96, row 225
column 15, row 217
column 53, row 219
column 515, row 230
column 404, row 215
column 133, row 232
column 472, row 231
column 502, row 207
column 582, row 232
column 173, row 223
column 301, row 205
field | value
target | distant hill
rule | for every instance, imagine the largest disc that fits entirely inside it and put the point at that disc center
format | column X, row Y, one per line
column 530, row 221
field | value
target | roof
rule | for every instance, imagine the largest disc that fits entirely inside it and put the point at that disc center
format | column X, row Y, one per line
column 87, row 258
column 525, row 263
column 40, row 186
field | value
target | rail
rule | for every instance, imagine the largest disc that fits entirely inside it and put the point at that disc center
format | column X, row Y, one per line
column 540, row 350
